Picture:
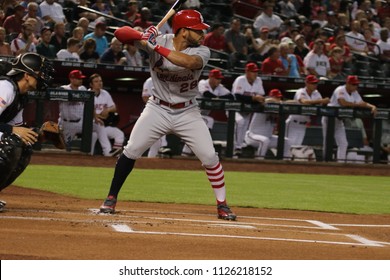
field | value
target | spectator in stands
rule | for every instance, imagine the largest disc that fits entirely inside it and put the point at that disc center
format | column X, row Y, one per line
column 272, row 65
column 269, row 19
column 371, row 41
column 5, row 48
column 58, row 37
column 133, row 56
column 84, row 24
column 287, row 8
column 343, row 21
column 307, row 31
column 144, row 21
column 336, row 62
column 262, row 45
column 99, row 37
column 71, row 51
column 88, row 53
column 104, row 106
column 24, row 42
column 78, row 33
column 321, row 19
column 2, row 17
column 71, row 113
column 355, row 39
column 308, row 95
column 236, row 43
column 300, row 48
column 340, row 42
column 215, row 39
column 114, row 54
column 80, row 13
column 316, row 62
column 102, row 7
column 291, row 29
column 344, row 96
column 192, row 4
column 13, row 23
column 250, row 38
column 384, row 46
column 246, row 88
column 338, row 31
column 132, row 11
column 52, row 12
column 289, row 61
column 332, row 20
column 32, row 11
column 44, row 47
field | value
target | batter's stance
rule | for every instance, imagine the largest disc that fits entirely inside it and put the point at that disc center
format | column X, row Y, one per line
column 176, row 62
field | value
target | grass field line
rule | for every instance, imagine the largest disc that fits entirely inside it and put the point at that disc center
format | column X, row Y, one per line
column 361, row 241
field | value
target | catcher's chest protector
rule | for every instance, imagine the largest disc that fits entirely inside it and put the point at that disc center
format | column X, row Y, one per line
column 17, row 104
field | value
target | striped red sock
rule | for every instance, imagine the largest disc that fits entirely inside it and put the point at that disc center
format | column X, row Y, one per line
column 216, row 177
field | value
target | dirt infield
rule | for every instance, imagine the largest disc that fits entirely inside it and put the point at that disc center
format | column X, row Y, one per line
column 43, row 225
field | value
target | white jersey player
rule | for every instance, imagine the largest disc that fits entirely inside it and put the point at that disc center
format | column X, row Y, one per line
column 210, row 88
column 246, row 88
column 260, row 134
column 296, row 124
column 104, row 105
column 176, row 63
column 147, row 92
column 71, row 113
column 344, row 96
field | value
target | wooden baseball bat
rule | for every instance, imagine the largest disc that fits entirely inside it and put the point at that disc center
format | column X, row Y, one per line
column 175, row 7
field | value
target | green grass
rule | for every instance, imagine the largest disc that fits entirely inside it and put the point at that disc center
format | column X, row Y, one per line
column 330, row 193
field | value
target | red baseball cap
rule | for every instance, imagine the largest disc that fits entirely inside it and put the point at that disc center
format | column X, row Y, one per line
column 76, row 74
column 353, row 80
column 216, row 73
column 264, row 29
column 275, row 93
column 311, row 79
column 252, row 67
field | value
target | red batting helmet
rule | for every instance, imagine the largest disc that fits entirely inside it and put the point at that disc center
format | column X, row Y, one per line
column 190, row 19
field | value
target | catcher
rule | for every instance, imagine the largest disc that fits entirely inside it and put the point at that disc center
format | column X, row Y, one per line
column 28, row 72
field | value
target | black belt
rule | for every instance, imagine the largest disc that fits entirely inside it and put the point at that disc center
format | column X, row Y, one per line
column 171, row 105
column 65, row 120
column 299, row 122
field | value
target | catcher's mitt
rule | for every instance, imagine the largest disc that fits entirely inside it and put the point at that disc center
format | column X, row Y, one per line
column 50, row 131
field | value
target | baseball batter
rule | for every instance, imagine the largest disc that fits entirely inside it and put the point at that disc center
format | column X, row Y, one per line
column 344, row 96
column 147, row 92
column 296, row 124
column 176, row 62
column 246, row 88
column 260, row 133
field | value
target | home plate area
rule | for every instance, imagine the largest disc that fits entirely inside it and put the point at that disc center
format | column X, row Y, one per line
column 247, row 227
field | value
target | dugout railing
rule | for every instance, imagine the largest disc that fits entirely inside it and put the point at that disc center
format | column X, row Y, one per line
column 284, row 110
column 62, row 95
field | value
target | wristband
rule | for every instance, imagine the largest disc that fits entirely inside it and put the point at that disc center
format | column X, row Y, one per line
column 162, row 51
column 6, row 128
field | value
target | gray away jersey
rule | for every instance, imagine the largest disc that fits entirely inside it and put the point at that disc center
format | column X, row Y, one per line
column 175, row 84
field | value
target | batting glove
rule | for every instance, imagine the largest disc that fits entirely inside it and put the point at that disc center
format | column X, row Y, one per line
column 150, row 33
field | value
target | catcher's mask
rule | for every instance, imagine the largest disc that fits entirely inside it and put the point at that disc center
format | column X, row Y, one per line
column 35, row 65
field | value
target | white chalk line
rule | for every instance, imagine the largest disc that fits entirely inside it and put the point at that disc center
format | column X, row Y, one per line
column 363, row 241
column 367, row 243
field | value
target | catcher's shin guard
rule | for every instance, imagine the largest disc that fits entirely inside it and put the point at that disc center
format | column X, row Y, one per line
column 14, row 157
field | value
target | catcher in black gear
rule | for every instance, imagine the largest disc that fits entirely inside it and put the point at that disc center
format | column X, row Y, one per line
column 29, row 71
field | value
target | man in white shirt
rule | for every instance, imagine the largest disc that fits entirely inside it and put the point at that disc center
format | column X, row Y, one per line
column 71, row 52
column 356, row 40
column 269, row 19
column 316, row 62
column 384, row 45
column 344, row 96
column 52, row 12
column 25, row 41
